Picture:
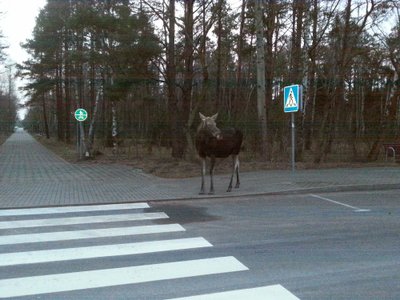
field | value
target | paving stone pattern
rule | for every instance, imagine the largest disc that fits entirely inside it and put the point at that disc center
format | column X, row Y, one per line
column 31, row 175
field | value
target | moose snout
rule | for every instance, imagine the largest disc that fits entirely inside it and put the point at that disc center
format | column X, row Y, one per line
column 217, row 134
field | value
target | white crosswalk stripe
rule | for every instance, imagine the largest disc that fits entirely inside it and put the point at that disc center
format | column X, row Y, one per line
column 88, row 234
column 31, row 257
column 81, row 220
column 70, row 209
column 271, row 292
column 111, row 277
column 83, row 239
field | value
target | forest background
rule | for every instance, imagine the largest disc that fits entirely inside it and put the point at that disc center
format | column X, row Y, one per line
column 143, row 69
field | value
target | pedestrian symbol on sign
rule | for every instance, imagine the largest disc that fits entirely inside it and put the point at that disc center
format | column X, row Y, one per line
column 81, row 114
column 291, row 101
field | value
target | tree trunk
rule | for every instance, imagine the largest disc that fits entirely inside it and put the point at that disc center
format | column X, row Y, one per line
column 171, row 85
column 218, row 99
column 90, row 138
column 261, row 107
column 203, row 58
column 295, row 76
column 184, row 130
column 59, row 104
column 269, row 63
column 114, row 127
column 310, row 89
column 67, row 100
column 67, row 78
column 46, row 124
column 238, row 95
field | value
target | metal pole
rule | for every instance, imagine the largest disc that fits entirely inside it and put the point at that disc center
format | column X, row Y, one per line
column 80, row 141
column 293, row 144
column 78, row 148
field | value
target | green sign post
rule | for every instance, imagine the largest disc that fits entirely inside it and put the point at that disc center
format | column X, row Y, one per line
column 81, row 114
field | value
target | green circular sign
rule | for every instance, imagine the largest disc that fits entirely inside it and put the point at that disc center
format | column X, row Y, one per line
column 81, row 114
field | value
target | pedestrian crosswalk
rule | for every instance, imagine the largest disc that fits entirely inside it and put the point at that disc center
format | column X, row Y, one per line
column 44, row 237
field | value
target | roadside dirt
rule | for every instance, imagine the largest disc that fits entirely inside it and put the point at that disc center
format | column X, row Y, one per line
column 158, row 161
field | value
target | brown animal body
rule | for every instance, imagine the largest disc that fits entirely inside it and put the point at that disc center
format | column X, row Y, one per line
column 215, row 143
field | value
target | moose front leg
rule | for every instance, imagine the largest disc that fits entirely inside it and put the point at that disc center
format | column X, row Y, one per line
column 212, row 164
column 203, row 174
column 233, row 172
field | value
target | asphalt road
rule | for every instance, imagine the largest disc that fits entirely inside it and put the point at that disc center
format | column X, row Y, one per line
column 324, row 246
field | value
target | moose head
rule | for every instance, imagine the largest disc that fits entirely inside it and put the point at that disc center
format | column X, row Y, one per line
column 208, row 124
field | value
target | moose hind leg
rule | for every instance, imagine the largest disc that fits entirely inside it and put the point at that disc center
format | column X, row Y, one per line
column 233, row 172
column 236, row 167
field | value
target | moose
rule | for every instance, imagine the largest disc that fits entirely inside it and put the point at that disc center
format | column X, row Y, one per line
column 215, row 143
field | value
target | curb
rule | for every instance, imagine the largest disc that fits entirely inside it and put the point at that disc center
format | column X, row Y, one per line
column 303, row 191
column 332, row 189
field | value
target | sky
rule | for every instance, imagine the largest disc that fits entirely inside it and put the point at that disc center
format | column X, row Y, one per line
column 17, row 21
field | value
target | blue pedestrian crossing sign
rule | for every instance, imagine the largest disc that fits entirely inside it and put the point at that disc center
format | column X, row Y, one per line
column 292, row 96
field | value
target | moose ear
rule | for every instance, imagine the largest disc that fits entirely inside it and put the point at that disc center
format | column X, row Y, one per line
column 202, row 117
column 214, row 117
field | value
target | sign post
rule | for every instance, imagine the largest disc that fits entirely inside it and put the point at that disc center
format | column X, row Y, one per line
column 80, row 115
column 292, row 101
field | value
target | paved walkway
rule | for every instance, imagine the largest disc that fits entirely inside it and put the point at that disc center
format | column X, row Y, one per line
column 31, row 175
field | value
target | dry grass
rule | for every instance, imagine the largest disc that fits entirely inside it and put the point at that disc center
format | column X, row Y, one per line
column 158, row 161
column 3, row 138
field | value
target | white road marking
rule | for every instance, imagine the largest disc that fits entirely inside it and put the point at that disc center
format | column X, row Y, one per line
column 87, row 234
column 69, row 209
column 28, row 286
column 356, row 209
column 272, row 292
column 45, row 256
column 81, row 220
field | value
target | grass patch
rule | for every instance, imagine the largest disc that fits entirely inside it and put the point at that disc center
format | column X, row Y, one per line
column 157, row 160
column 3, row 138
